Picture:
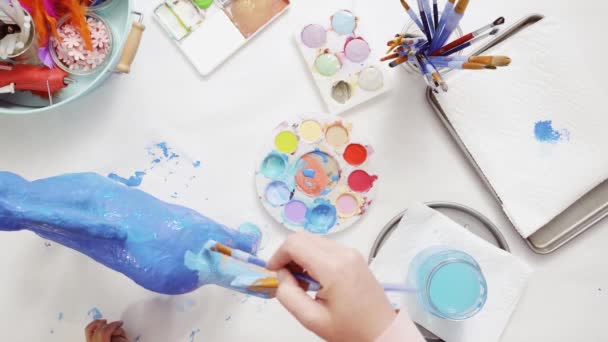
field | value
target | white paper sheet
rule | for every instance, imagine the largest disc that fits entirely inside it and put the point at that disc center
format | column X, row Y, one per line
column 495, row 114
column 505, row 274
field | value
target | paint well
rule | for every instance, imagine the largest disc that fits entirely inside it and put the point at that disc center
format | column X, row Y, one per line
column 360, row 181
column 273, row 166
column 347, row 205
column 318, row 175
column 344, row 22
column 286, row 142
column 327, row 64
column 295, row 212
column 310, row 131
column 314, row 36
column 341, row 92
column 371, row 79
column 321, row 218
column 357, row 50
column 355, row 154
column 337, row 135
column 456, row 288
column 277, row 194
column 250, row 15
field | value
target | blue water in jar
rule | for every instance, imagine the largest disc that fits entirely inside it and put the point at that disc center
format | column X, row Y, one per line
column 450, row 282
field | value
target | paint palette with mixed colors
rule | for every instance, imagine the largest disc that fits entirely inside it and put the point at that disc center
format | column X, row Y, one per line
column 342, row 61
column 316, row 175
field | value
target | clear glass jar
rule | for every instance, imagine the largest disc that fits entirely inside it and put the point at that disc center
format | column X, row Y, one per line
column 450, row 282
column 102, row 5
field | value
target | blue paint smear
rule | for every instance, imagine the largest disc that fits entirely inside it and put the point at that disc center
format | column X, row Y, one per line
column 309, row 173
column 544, row 132
column 95, row 314
column 193, row 334
column 197, row 163
column 133, row 181
column 156, row 244
column 163, row 146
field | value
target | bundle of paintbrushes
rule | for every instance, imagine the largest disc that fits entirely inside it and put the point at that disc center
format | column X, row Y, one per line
column 431, row 53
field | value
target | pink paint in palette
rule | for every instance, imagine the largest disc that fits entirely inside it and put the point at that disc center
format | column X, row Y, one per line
column 315, row 175
column 342, row 61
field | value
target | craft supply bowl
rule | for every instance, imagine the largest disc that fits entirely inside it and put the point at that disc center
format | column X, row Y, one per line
column 412, row 29
column 127, row 34
column 103, row 5
column 59, row 63
column 30, row 39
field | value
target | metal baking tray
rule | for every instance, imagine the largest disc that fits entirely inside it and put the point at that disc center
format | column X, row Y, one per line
column 582, row 215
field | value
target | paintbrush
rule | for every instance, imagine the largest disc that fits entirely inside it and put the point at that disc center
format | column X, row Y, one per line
column 464, row 65
column 425, row 17
column 495, row 61
column 470, row 42
column 435, row 14
column 468, row 37
column 398, row 61
column 450, row 25
column 414, row 18
column 260, row 285
column 432, row 71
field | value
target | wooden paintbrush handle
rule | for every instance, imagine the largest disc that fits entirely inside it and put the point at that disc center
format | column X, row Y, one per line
column 130, row 49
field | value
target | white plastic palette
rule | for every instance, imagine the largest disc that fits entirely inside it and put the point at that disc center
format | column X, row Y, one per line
column 343, row 64
column 315, row 175
column 209, row 36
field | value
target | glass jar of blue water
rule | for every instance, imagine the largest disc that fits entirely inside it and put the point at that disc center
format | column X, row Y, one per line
column 450, row 283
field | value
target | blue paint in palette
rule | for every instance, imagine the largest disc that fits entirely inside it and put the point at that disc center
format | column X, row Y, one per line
column 545, row 133
column 133, row 181
column 321, row 217
column 274, row 165
column 344, row 22
column 277, row 194
column 309, row 173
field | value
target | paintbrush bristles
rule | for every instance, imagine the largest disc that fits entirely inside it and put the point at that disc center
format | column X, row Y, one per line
column 473, row 66
column 461, row 6
column 491, row 60
column 499, row 21
column 405, row 5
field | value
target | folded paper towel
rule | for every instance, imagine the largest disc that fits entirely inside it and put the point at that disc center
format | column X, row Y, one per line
column 535, row 129
column 506, row 275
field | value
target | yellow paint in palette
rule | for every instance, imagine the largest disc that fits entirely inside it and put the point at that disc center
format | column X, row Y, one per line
column 310, row 131
column 286, row 142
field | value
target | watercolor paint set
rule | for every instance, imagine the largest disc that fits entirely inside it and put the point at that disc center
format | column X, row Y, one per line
column 316, row 175
column 208, row 32
column 341, row 60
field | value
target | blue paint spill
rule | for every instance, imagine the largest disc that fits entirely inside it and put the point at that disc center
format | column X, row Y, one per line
column 60, row 316
column 197, row 163
column 95, row 314
column 163, row 146
column 133, row 181
column 545, row 133
column 193, row 334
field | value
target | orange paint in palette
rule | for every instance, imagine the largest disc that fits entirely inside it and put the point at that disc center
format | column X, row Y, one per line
column 305, row 177
column 341, row 60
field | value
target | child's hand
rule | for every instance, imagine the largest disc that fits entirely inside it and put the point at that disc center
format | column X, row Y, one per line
column 101, row 331
column 351, row 306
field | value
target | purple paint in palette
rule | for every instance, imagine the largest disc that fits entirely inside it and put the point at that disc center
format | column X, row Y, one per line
column 295, row 212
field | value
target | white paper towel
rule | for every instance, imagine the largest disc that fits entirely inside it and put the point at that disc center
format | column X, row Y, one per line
column 506, row 275
column 495, row 112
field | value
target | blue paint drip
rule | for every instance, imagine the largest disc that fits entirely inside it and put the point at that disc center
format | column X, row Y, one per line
column 544, row 132
column 193, row 334
column 133, row 181
column 156, row 244
column 95, row 314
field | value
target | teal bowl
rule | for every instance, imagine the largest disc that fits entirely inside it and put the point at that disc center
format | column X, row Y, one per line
column 119, row 17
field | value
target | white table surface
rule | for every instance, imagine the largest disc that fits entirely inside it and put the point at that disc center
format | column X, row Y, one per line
column 223, row 121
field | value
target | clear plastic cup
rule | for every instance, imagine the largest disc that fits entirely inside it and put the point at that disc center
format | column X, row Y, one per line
column 450, row 282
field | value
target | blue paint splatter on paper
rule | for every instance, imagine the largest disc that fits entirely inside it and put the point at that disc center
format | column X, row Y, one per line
column 133, row 181
column 60, row 316
column 545, row 133
column 95, row 314
column 197, row 163
column 193, row 334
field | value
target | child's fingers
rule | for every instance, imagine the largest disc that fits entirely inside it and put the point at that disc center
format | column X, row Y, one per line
column 90, row 330
column 305, row 309
column 109, row 329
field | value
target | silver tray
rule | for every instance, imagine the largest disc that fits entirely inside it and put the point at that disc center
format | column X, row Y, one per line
column 582, row 215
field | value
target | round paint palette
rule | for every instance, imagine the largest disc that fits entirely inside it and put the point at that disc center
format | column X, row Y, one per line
column 315, row 175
